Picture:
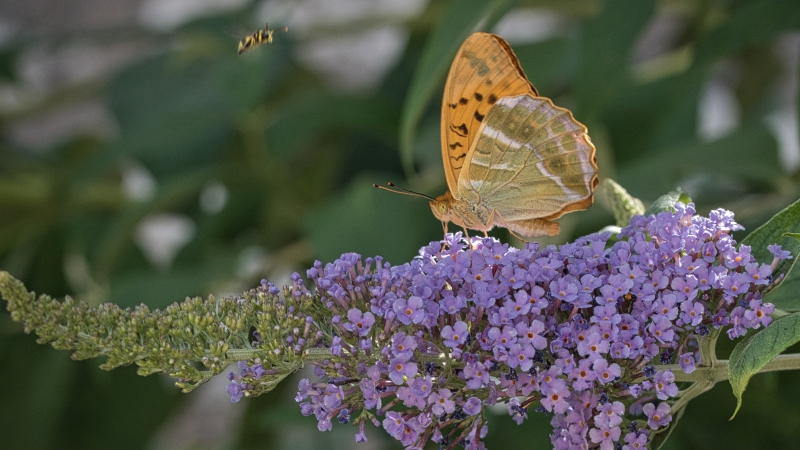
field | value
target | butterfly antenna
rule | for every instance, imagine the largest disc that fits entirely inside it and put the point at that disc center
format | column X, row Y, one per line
column 399, row 190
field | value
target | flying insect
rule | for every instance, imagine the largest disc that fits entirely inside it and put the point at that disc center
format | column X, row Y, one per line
column 257, row 38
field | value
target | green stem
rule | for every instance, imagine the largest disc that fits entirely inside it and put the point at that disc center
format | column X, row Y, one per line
column 720, row 371
column 312, row 354
column 704, row 378
column 244, row 354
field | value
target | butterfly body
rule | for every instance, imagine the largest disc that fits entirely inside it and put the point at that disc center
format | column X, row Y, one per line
column 512, row 158
column 478, row 216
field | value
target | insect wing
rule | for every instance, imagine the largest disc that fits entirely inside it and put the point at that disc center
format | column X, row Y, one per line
column 531, row 160
column 484, row 70
column 248, row 42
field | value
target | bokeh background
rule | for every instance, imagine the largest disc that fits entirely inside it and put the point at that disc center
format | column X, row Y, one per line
column 143, row 161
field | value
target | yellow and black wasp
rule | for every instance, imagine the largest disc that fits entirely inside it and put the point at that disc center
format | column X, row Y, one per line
column 257, row 38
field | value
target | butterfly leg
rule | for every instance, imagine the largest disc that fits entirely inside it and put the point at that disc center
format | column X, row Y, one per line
column 511, row 232
column 444, row 228
column 491, row 222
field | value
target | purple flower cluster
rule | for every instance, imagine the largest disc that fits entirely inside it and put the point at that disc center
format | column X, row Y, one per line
column 577, row 331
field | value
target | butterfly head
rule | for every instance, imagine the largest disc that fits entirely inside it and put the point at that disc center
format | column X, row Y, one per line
column 442, row 207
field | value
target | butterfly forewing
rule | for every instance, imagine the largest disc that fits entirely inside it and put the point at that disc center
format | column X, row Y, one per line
column 530, row 160
column 484, row 71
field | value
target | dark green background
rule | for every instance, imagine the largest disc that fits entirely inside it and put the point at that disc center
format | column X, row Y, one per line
column 298, row 158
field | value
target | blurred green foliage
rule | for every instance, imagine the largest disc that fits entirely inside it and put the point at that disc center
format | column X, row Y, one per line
column 296, row 157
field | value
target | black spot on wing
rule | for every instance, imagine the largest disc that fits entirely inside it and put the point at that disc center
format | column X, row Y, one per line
column 479, row 117
column 459, row 157
column 492, row 99
column 478, row 96
column 460, row 130
column 454, row 145
column 463, row 101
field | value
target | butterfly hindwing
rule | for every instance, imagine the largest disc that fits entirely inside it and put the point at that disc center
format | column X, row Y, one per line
column 484, row 70
column 531, row 159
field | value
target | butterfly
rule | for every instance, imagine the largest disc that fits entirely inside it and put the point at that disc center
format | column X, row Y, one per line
column 511, row 157
column 257, row 38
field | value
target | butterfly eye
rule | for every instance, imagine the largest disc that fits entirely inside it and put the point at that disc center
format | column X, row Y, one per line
column 443, row 208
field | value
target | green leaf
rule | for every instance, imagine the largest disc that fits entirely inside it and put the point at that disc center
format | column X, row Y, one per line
column 788, row 280
column 605, row 46
column 633, row 118
column 312, row 113
column 747, row 156
column 460, row 19
column 749, row 24
column 175, row 114
column 8, row 63
column 753, row 23
column 784, row 224
column 667, row 202
column 783, row 229
column 623, row 205
column 551, row 65
column 755, row 351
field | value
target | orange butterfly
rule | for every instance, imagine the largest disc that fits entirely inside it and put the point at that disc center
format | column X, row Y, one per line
column 512, row 159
